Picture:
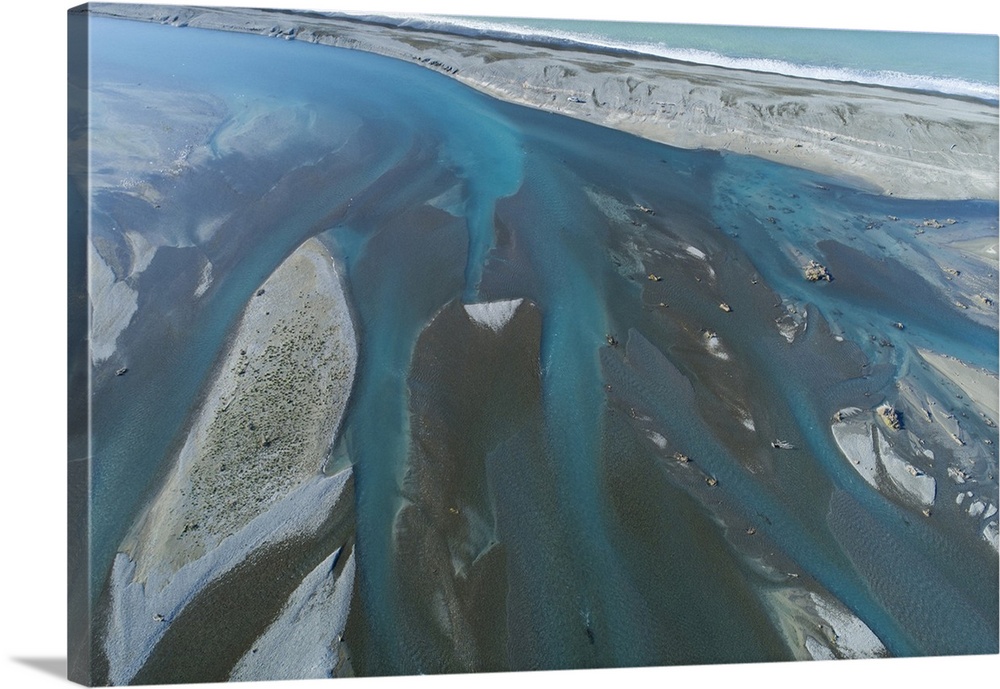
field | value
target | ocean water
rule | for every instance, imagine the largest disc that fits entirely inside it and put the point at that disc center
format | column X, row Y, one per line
column 430, row 195
column 958, row 64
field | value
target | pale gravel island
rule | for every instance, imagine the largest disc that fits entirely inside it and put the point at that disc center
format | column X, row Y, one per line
column 268, row 420
column 819, row 628
column 303, row 642
column 978, row 384
column 249, row 475
column 898, row 142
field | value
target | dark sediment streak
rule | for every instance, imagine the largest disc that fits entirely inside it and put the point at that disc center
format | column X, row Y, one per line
column 653, row 521
column 896, row 292
column 403, row 253
column 470, row 390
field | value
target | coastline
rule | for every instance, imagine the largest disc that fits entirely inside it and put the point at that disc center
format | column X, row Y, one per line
column 897, row 142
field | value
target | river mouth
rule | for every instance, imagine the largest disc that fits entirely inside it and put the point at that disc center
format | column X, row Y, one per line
column 599, row 340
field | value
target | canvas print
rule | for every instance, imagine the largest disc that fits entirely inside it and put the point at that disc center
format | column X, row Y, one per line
column 410, row 345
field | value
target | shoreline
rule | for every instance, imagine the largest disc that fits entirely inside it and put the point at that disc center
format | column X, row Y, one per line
column 621, row 51
column 897, row 142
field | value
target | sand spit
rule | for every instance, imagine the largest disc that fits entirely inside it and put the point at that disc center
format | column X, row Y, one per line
column 206, row 280
column 714, row 345
column 793, row 322
column 696, row 252
column 902, row 143
column 991, row 534
column 855, row 442
column 821, row 628
column 904, row 475
column 302, row 642
column 249, row 471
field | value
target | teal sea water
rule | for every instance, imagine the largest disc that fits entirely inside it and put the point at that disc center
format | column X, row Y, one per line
column 431, row 194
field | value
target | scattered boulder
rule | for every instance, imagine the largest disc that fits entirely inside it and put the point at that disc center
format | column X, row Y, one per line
column 815, row 271
column 889, row 416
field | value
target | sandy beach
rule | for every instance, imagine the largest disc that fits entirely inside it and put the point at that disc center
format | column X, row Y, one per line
column 896, row 142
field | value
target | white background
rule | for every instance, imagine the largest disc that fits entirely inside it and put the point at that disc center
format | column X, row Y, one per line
column 32, row 333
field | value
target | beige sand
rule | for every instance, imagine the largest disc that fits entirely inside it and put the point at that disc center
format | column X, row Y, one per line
column 112, row 305
column 980, row 386
column 268, row 419
column 818, row 627
column 903, row 143
column 249, row 473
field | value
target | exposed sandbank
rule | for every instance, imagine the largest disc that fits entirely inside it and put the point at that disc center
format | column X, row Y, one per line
column 493, row 315
column 898, row 142
column 142, row 610
column 268, row 419
column 820, row 628
column 249, row 474
column 112, row 304
column 882, row 463
column 302, row 643
column 979, row 385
